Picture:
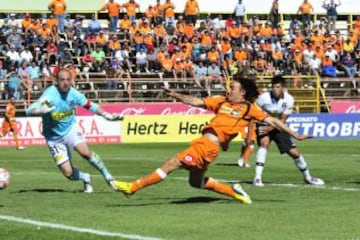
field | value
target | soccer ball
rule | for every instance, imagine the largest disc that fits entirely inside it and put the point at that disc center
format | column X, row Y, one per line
column 4, row 178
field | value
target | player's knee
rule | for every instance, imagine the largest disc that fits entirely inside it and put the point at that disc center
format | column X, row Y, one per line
column 195, row 183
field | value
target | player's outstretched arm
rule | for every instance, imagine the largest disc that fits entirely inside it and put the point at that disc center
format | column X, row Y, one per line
column 39, row 108
column 187, row 99
column 276, row 123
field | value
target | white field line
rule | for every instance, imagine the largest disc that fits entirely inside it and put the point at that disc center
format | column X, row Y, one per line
column 75, row 229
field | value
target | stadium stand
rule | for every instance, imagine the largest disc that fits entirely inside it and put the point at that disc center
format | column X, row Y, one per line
column 110, row 66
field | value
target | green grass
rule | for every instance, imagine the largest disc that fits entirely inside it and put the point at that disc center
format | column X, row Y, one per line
column 172, row 209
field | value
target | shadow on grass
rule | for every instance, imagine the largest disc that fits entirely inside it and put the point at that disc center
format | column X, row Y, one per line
column 155, row 201
column 227, row 164
column 354, row 182
column 45, row 190
column 197, row 200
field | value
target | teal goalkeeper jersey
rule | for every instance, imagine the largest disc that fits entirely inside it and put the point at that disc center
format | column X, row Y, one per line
column 60, row 120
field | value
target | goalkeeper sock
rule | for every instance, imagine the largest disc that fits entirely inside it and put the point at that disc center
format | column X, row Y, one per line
column 215, row 186
column 302, row 166
column 96, row 161
column 260, row 162
column 78, row 175
column 153, row 178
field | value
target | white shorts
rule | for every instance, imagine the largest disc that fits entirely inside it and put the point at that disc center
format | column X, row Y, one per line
column 60, row 149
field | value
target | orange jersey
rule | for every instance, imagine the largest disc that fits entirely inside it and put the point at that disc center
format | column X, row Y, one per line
column 130, row 8
column 26, row 23
column 10, row 110
column 213, row 56
column 159, row 31
column 52, row 22
column 226, row 122
column 9, row 123
column 58, row 6
column 240, row 55
column 191, row 7
column 125, row 24
column 305, row 8
column 168, row 8
column 112, row 8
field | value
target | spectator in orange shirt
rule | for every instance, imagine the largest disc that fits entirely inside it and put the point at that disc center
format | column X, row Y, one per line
column 160, row 34
column 277, row 58
column 149, row 41
column 213, row 55
column 225, row 48
column 167, row 66
column 169, row 13
column 51, row 21
column 130, row 8
column 179, row 68
column 125, row 24
column 114, row 45
column 26, row 23
column 9, row 123
column 241, row 56
column 149, row 14
column 189, row 29
column 113, row 9
column 191, row 11
column 158, row 13
column 298, row 61
column 58, row 8
column 305, row 10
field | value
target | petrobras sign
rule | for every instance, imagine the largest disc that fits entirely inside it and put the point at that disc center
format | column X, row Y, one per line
column 326, row 126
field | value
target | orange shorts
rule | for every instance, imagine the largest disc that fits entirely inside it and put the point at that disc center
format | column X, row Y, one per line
column 201, row 152
column 8, row 126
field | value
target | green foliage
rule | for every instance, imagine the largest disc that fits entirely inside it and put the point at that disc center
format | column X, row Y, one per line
column 174, row 210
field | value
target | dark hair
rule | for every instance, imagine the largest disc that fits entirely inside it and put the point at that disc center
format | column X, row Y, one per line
column 249, row 85
column 278, row 79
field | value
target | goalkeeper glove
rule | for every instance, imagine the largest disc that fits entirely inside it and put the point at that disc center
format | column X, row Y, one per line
column 113, row 117
column 45, row 107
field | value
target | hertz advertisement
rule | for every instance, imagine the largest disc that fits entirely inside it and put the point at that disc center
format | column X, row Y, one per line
column 156, row 128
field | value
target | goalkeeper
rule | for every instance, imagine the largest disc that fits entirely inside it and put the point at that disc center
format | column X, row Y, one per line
column 56, row 106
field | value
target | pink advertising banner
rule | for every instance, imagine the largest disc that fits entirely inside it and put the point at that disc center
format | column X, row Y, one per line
column 148, row 109
column 96, row 130
column 345, row 106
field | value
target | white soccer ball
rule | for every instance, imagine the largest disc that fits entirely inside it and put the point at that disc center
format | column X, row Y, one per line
column 4, row 178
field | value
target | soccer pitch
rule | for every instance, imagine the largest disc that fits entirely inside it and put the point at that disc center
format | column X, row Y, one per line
column 40, row 203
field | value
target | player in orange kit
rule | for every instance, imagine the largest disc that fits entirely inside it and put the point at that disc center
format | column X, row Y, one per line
column 9, row 123
column 247, row 146
column 224, row 126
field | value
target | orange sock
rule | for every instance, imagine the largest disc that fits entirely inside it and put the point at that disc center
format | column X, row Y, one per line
column 153, row 178
column 247, row 153
column 215, row 186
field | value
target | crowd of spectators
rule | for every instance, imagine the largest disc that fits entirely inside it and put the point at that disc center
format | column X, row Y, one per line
column 179, row 46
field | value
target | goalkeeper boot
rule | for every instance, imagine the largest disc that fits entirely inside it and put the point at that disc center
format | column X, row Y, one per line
column 88, row 186
column 110, row 180
column 240, row 194
column 314, row 181
column 124, row 187
column 20, row 148
column 241, row 162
